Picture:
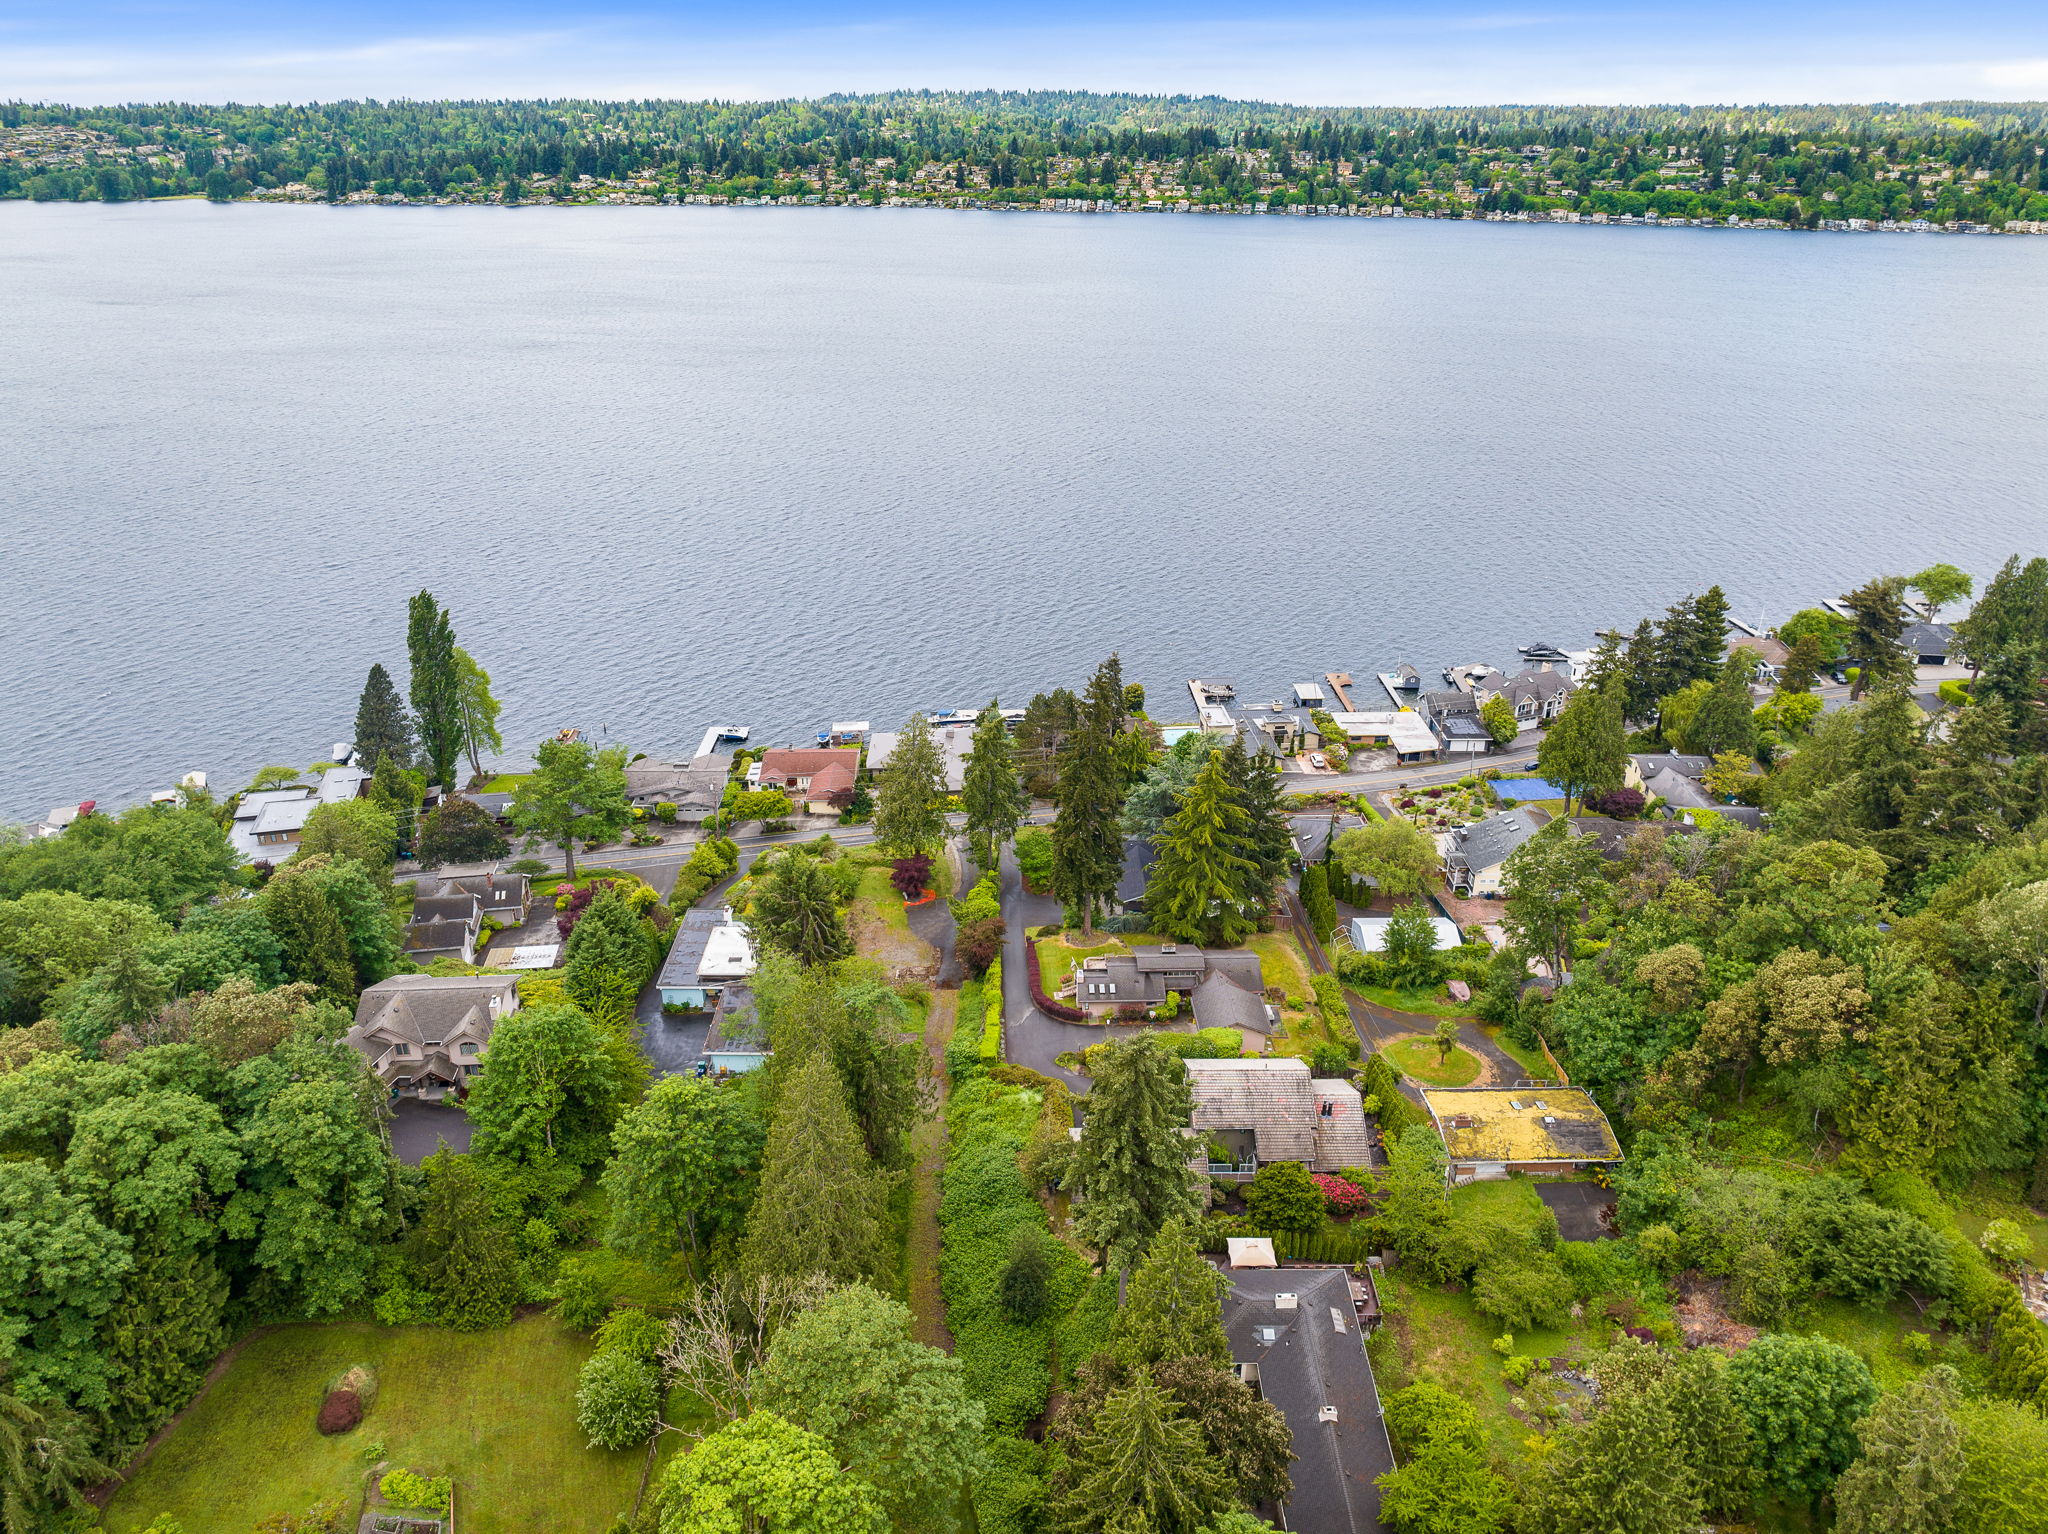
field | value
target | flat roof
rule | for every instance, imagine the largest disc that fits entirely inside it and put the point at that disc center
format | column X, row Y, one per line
column 1369, row 933
column 1534, row 1124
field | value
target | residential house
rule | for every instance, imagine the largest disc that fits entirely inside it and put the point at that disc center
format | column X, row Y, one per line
column 1140, row 853
column 267, row 824
column 59, row 820
column 1259, row 1111
column 1403, row 731
column 1268, row 729
column 449, row 915
column 1673, row 778
column 1542, row 1130
column 1771, row 655
column 500, row 897
column 1473, row 854
column 421, row 1035
column 1464, row 735
column 953, row 740
column 1297, row 1338
column 1537, row 694
column 1369, row 933
column 1612, row 837
column 737, row 1041
column 819, row 778
column 710, row 951
column 695, row 788
column 1930, row 644
column 1146, row 976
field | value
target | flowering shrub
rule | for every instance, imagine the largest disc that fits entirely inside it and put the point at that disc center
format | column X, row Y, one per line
column 573, row 903
column 1342, row 1197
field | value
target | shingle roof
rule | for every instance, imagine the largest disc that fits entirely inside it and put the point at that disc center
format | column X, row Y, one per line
column 1342, row 1139
column 1927, row 638
column 439, row 937
column 1271, row 1097
column 830, row 769
column 1139, row 855
column 1613, row 836
column 1220, row 1002
column 694, row 785
column 1311, row 1359
column 1489, row 843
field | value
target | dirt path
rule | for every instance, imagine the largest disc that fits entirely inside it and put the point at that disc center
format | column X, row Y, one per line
column 928, row 1144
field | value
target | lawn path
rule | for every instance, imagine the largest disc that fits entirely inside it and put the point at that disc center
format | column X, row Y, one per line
column 99, row 1494
column 928, row 1144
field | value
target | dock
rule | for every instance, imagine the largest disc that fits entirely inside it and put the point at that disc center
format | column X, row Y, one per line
column 1338, row 682
column 715, row 733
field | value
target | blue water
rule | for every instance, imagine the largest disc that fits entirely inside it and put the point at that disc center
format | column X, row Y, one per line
column 783, row 467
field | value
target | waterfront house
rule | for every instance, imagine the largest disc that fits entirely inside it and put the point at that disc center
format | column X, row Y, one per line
column 819, row 778
column 1928, row 643
column 421, row 1035
column 1771, row 655
column 953, row 740
column 267, row 825
column 1537, row 1130
column 710, row 951
column 1146, row 976
column 1473, row 855
column 1297, row 1338
column 695, row 788
column 1250, row 1113
column 1403, row 731
column 1537, row 694
column 1464, row 735
column 1269, row 729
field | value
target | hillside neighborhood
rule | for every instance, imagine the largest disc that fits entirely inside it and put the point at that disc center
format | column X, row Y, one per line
column 1409, row 1099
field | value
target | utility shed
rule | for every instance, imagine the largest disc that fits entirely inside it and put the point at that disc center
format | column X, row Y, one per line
column 1297, row 1338
column 1538, row 1129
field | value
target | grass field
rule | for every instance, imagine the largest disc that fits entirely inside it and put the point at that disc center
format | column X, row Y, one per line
column 495, row 1409
column 1056, row 956
column 1429, row 1003
column 1281, row 963
column 1531, row 1060
column 1418, row 1058
column 878, row 895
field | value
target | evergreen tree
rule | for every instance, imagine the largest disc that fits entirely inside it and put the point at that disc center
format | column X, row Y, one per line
column 1317, row 900
column 1131, row 1164
column 1642, row 674
column 1585, row 751
column 393, row 791
column 461, row 1250
column 796, row 909
column 1200, row 889
column 1622, row 1473
column 1968, row 796
column 1724, row 719
column 478, row 711
column 1140, row 1467
column 606, row 959
column 436, row 687
column 161, row 1335
column 1268, row 839
column 1049, row 722
column 1909, row 1478
column 1174, row 1305
column 383, row 728
column 1803, row 667
column 822, row 1203
column 2013, row 611
column 910, row 793
column 991, row 790
column 1877, row 616
column 315, row 945
column 1087, row 838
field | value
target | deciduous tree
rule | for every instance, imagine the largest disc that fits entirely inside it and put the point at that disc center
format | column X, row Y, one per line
column 1395, row 854
column 1803, row 1398
column 549, row 1089
column 1584, row 751
column 575, row 793
column 681, row 1168
column 436, row 690
column 764, row 1473
column 477, row 710
column 460, row 831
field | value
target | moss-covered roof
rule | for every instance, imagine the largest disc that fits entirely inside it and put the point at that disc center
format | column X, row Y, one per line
column 1534, row 1124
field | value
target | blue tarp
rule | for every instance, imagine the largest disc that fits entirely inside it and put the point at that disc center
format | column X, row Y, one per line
column 1520, row 790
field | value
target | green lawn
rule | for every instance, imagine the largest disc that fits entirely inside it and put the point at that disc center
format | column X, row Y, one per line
column 552, row 885
column 1429, row 1003
column 1417, row 1058
column 1530, row 1060
column 1056, row 956
column 494, row 1409
column 505, row 783
column 1281, row 963
column 880, row 896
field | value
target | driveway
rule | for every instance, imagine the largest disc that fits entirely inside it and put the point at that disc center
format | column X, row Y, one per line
column 1579, row 1207
column 1032, row 1038
column 418, row 1128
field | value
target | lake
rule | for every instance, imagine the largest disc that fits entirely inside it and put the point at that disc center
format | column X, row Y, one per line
column 777, row 467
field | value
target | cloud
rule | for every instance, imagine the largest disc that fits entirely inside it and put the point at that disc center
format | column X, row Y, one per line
column 2018, row 75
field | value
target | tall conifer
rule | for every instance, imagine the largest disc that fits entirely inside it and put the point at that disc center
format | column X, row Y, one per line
column 436, row 687
column 991, row 791
column 383, row 728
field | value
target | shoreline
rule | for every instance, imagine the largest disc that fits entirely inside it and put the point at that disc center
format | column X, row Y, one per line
column 1073, row 207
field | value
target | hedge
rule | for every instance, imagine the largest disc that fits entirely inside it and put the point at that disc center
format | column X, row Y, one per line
column 1378, row 1079
column 1039, row 999
column 1349, row 1245
column 992, row 1015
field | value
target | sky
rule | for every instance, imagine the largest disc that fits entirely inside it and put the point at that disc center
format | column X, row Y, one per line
column 1401, row 53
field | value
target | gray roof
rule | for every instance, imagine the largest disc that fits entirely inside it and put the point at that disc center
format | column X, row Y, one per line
column 1927, row 639
column 1671, row 761
column 1139, row 855
column 1488, row 844
column 431, row 1014
column 686, row 953
column 1532, row 683
column 1468, row 726
column 953, row 740
column 1441, row 701
column 1677, row 788
column 425, row 937
column 1271, row 1096
column 1220, row 1002
column 496, row 893
column 456, row 905
column 1310, row 1357
column 1613, row 836
column 698, row 784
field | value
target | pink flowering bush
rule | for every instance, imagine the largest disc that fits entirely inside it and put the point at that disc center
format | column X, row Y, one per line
column 1341, row 1197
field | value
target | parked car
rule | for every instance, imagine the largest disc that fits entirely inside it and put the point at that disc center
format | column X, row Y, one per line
column 1317, row 760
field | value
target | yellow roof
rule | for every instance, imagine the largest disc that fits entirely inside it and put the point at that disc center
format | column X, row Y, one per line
column 1534, row 1124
